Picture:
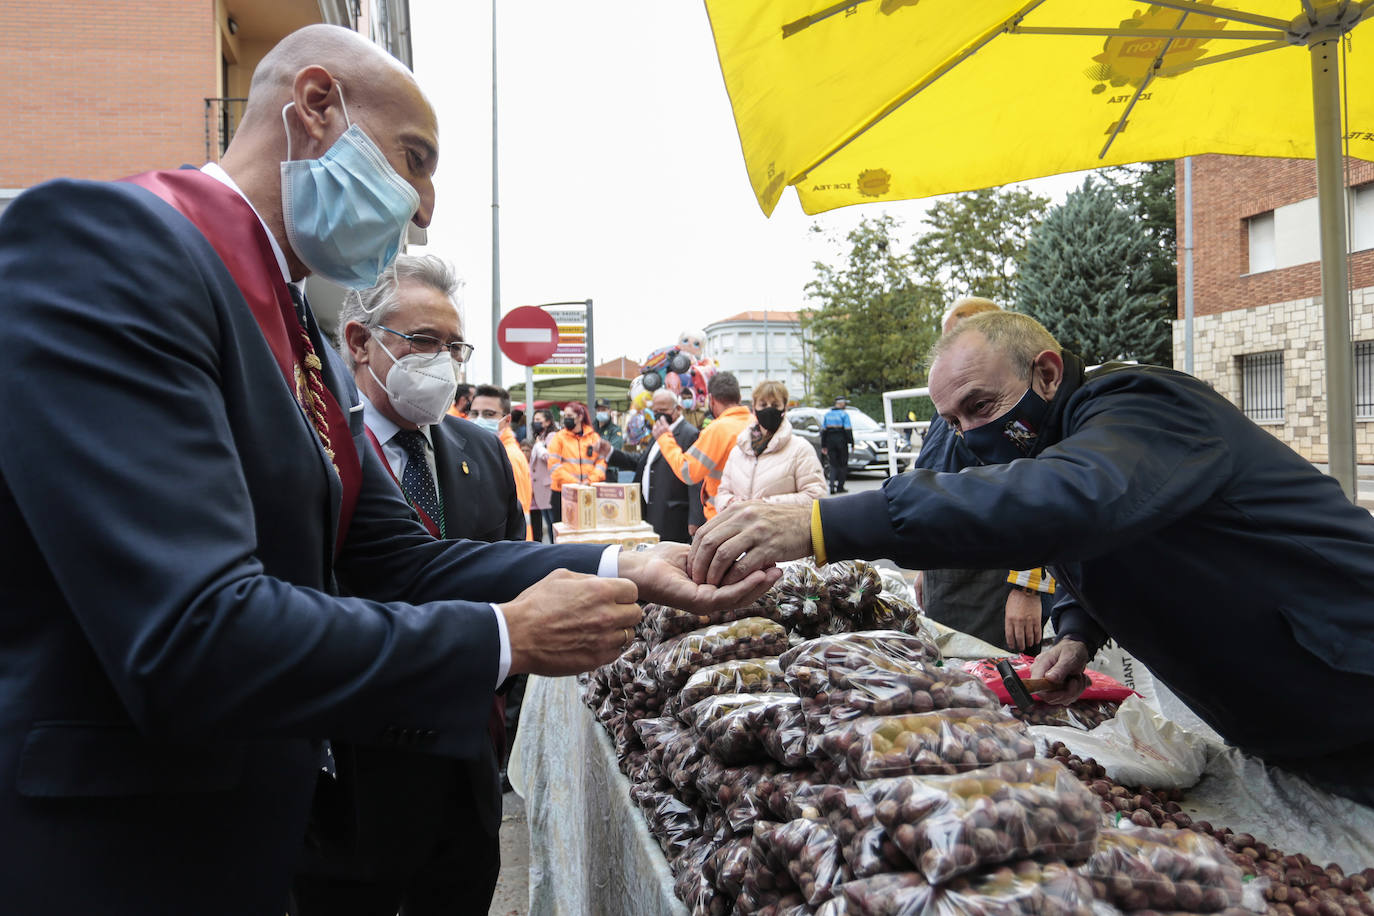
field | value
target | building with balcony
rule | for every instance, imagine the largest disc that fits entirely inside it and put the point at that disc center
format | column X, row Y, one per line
column 760, row 345
column 1257, row 328
column 97, row 89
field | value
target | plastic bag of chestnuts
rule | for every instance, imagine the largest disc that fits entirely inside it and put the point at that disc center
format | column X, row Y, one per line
column 803, row 601
column 662, row 622
column 807, row 850
column 853, row 586
column 893, row 894
column 950, row 825
column 1146, row 868
column 888, row 612
column 935, row 743
column 733, row 728
column 887, row 687
column 728, row 865
column 864, row 841
column 674, row 661
column 734, row 790
column 745, row 675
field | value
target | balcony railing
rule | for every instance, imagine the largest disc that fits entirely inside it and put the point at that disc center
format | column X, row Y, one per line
column 222, row 118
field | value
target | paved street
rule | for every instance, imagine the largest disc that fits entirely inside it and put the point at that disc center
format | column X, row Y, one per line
column 513, row 887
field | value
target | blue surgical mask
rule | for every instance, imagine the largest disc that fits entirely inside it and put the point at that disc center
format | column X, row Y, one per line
column 602, row 417
column 1012, row 435
column 347, row 211
column 490, row 424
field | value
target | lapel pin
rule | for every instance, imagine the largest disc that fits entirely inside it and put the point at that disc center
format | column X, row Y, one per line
column 465, row 467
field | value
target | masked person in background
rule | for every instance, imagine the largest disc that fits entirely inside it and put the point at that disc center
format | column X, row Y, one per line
column 218, row 571
column 704, row 460
column 672, row 507
column 490, row 410
column 462, row 400
column 541, row 490
column 769, row 462
column 1173, row 524
column 423, row 828
column 573, row 455
column 607, row 429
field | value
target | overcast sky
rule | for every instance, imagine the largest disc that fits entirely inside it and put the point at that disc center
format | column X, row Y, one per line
column 621, row 176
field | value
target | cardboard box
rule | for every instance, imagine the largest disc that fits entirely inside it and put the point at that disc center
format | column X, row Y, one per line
column 617, row 505
column 579, row 506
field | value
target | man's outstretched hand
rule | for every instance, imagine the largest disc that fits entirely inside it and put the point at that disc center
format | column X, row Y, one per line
column 1062, row 663
column 570, row 622
column 747, row 538
column 662, row 576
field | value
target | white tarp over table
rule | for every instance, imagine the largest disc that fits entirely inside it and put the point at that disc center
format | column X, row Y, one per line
column 590, row 849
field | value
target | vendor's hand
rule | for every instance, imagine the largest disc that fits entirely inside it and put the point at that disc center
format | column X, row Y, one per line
column 603, row 450
column 1062, row 663
column 738, row 543
column 661, row 574
column 1023, row 627
column 692, row 530
column 570, row 622
column 918, row 586
column 660, row 427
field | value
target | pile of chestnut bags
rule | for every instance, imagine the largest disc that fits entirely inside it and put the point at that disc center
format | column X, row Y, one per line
column 812, row 754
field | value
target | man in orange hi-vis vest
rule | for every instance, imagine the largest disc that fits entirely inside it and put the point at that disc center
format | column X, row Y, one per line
column 704, row 460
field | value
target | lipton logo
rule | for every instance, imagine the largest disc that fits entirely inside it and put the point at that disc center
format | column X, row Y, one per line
column 1127, row 60
column 874, row 182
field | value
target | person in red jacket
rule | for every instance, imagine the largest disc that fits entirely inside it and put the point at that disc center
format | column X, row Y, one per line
column 573, row 455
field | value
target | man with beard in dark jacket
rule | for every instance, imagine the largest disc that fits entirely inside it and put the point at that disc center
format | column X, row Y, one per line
column 1211, row 551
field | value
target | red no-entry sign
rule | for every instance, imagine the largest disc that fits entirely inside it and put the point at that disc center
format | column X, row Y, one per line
column 527, row 335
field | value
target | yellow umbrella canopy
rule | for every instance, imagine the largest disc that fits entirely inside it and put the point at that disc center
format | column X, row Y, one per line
column 871, row 100
column 862, row 101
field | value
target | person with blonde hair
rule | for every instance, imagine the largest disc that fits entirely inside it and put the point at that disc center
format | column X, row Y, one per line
column 769, row 463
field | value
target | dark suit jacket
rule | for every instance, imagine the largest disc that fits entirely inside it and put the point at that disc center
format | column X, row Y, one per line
column 675, row 504
column 370, row 821
column 480, row 503
column 172, row 639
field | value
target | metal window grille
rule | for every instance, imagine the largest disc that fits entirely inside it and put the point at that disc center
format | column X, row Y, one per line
column 1364, row 378
column 222, row 118
column 1261, row 386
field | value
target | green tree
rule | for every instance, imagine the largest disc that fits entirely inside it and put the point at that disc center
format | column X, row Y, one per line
column 1086, row 277
column 873, row 322
column 1147, row 190
column 975, row 241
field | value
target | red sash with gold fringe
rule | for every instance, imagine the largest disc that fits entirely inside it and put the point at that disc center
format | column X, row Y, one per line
column 237, row 235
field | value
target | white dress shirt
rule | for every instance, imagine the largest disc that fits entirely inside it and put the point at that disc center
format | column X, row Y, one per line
column 609, row 565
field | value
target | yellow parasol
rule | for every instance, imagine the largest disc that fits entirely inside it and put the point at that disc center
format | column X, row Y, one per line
column 870, row 100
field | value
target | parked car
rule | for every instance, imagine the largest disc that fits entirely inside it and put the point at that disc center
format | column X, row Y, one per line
column 869, row 452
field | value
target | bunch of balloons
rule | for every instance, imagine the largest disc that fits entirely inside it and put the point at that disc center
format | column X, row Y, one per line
column 679, row 367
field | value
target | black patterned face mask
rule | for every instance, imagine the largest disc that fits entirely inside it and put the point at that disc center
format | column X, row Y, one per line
column 1012, row 435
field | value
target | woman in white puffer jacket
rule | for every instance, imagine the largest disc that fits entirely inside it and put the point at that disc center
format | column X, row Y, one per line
column 768, row 462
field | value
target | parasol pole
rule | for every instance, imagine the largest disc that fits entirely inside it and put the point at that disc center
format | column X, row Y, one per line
column 1340, row 391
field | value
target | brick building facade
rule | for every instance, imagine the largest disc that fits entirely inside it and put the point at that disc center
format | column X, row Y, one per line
column 101, row 89
column 1257, row 327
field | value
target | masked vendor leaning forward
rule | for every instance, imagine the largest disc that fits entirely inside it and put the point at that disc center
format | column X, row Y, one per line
column 1223, row 560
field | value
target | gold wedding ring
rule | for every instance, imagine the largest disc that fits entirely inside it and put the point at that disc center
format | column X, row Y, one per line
column 629, row 638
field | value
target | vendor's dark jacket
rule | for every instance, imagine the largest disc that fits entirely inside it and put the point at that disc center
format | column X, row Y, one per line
column 1238, row 573
column 972, row 601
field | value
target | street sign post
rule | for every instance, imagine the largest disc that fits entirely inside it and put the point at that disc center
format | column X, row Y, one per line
column 528, row 335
